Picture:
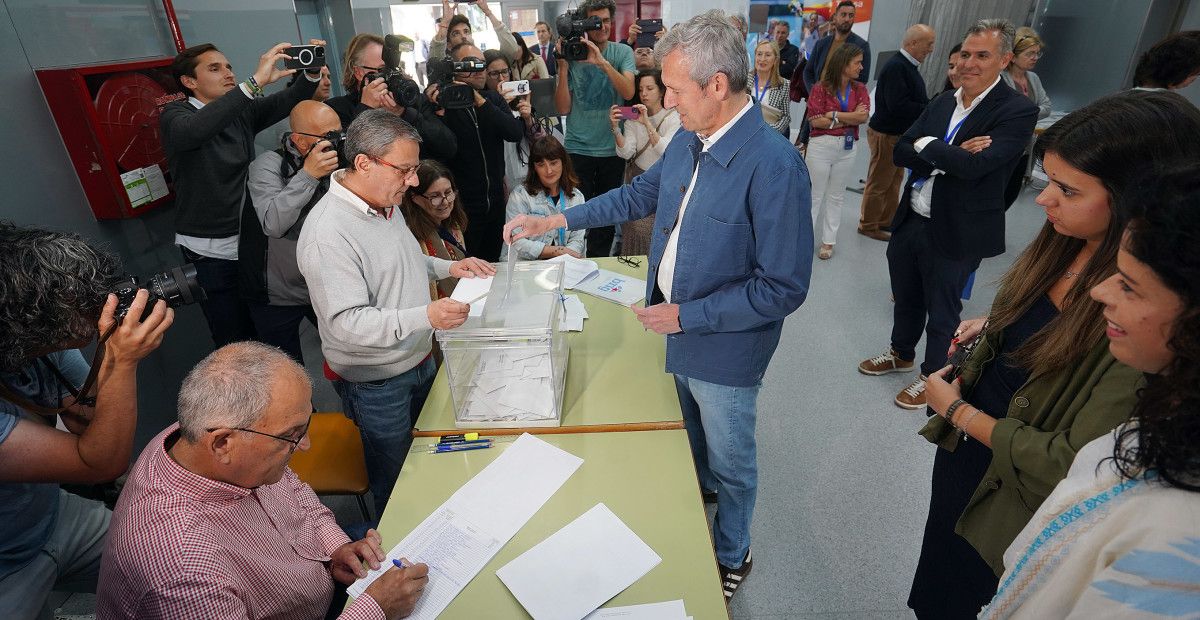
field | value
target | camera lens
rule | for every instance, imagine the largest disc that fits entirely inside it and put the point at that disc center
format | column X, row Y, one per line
column 177, row 286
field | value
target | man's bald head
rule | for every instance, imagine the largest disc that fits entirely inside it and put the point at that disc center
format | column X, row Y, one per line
column 314, row 117
column 918, row 41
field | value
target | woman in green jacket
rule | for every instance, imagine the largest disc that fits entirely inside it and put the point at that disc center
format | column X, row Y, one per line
column 1040, row 383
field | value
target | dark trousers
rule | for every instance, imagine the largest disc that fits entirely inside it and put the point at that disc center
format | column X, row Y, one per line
column 279, row 326
column 484, row 234
column 598, row 175
column 228, row 315
column 927, row 287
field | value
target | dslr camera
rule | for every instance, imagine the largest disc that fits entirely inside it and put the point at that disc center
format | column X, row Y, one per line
column 572, row 26
column 453, row 96
column 177, row 286
column 404, row 90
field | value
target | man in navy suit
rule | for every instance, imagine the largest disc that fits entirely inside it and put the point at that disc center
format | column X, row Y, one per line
column 899, row 99
column 843, row 21
column 545, row 46
column 960, row 151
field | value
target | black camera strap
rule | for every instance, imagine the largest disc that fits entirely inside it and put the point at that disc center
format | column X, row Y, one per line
column 80, row 395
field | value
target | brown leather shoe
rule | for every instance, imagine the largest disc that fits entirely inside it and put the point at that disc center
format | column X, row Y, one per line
column 913, row 396
column 880, row 235
column 884, row 363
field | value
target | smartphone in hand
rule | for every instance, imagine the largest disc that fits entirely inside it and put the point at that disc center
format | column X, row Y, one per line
column 629, row 113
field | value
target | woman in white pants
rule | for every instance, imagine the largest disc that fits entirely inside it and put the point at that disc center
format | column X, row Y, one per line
column 837, row 105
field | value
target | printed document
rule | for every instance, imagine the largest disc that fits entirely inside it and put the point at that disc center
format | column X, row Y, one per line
column 578, row 568
column 459, row 538
column 670, row 610
column 615, row 287
column 575, row 270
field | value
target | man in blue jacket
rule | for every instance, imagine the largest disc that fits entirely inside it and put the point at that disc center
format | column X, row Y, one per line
column 730, row 258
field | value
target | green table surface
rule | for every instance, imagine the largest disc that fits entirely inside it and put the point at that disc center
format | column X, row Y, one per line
column 646, row 478
column 616, row 377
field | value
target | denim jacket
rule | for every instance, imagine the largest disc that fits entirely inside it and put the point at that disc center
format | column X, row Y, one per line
column 521, row 203
column 745, row 247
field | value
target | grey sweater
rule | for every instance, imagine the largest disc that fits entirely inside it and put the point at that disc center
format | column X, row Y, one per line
column 369, row 285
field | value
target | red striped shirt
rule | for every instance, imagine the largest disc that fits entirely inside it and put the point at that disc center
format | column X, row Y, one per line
column 182, row 546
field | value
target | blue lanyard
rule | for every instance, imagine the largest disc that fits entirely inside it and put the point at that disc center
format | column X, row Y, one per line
column 758, row 94
column 562, row 232
column 844, row 102
column 954, row 130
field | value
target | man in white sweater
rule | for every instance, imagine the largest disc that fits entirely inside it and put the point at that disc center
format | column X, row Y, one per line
column 369, row 284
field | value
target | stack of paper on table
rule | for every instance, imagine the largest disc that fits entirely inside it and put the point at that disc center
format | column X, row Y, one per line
column 511, row 385
column 576, row 270
column 459, row 538
column 578, row 568
column 613, row 286
column 574, row 312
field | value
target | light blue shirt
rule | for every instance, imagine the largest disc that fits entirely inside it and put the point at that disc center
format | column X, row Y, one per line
column 592, row 96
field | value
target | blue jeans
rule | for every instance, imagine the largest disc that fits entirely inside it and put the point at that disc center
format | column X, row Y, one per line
column 385, row 411
column 720, row 426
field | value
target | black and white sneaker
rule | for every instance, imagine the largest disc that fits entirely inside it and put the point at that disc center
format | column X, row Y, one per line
column 731, row 578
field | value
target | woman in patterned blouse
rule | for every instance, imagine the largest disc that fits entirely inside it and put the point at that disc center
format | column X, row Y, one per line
column 770, row 89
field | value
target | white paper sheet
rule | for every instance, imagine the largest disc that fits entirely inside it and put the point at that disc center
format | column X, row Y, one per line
column 669, row 610
column 459, row 538
column 578, row 568
column 155, row 181
column 571, row 319
column 614, row 287
column 575, row 270
column 470, row 290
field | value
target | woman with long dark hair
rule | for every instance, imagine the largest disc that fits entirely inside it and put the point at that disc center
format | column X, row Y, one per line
column 435, row 215
column 551, row 187
column 641, row 143
column 1120, row 536
column 1040, row 382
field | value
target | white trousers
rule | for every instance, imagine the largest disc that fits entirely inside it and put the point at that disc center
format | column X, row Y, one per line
column 828, row 166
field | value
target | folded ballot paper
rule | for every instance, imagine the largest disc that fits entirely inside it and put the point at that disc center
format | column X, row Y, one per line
column 511, row 385
column 578, row 568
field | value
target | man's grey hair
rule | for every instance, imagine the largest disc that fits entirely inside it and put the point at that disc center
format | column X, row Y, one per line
column 1007, row 32
column 712, row 45
column 231, row 388
column 373, row 133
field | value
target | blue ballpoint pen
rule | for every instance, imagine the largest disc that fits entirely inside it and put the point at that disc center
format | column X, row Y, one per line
column 459, row 447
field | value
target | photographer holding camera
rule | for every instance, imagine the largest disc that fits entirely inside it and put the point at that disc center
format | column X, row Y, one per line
column 593, row 76
column 284, row 185
column 482, row 122
column 54, row 298
column 209, row 142
column 366, row 80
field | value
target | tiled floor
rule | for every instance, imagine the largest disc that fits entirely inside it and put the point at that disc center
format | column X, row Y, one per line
column 844, row 478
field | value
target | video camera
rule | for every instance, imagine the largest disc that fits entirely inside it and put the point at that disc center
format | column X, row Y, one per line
column 178, row 287
column 572, row 26
column 453, row 96
column 404, row 90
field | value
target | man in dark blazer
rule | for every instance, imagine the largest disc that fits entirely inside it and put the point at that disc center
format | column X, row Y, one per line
column 545, row 46
column 899, row 99
column 960, row 151
column 843, row 20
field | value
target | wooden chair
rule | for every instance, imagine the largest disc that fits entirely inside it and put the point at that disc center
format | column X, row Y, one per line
column 334, row 465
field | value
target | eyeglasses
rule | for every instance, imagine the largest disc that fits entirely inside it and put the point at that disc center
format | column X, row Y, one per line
column 375, row 69
column 295, row 442
column 437, row 199
column 405, row 172
column 497, row 73
column 630, row 262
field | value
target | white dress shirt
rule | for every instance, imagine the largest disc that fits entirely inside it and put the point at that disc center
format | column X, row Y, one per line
column 666, row 268
column 922, row 199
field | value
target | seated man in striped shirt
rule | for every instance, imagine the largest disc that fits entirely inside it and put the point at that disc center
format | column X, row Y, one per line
column 213, row 524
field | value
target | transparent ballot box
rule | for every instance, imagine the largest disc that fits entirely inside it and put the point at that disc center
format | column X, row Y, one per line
column 507, row 367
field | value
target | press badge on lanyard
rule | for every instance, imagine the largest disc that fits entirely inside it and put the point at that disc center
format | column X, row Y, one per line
column 844, row 103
